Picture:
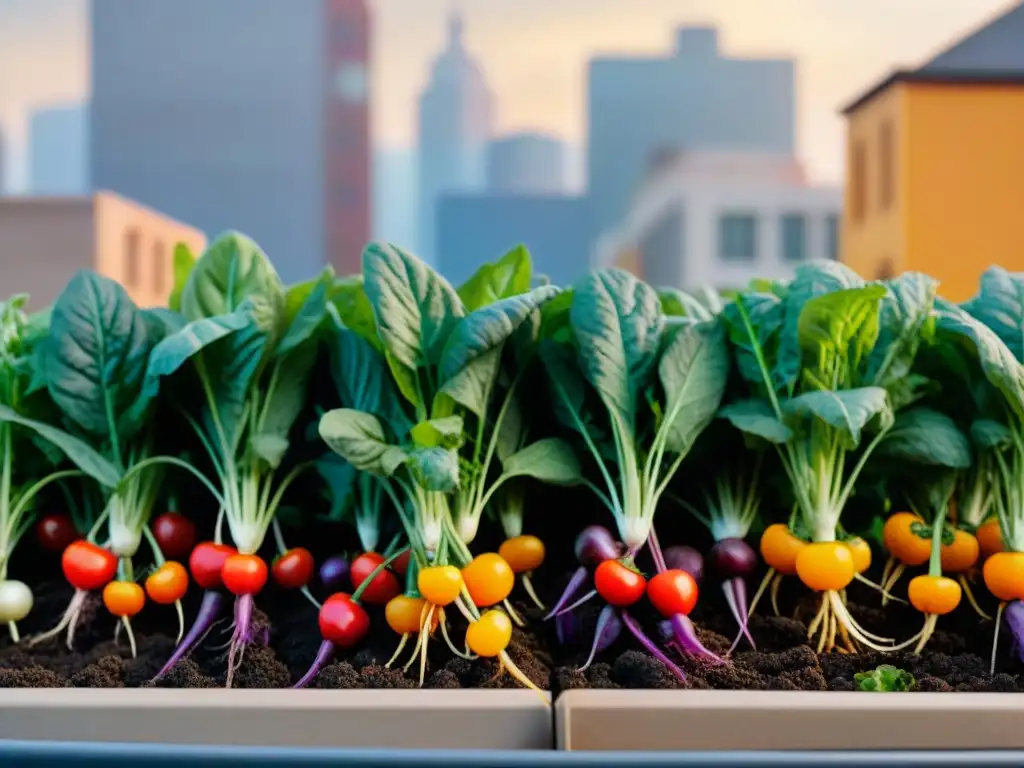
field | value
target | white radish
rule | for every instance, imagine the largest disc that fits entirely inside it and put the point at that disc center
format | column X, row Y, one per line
column 15, row 601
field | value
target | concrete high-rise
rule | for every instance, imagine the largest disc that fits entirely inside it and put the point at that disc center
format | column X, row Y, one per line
column 455, row 118
column 252, row 116
column 58, row 161
column 694, row 100
column 526, row 163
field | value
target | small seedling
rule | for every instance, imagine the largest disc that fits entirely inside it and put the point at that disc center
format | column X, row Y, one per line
column 885, row 678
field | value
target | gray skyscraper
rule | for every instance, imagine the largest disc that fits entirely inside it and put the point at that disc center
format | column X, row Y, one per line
column 696, row 99
column 58, row 162
column 455, row 125
column 526, row 163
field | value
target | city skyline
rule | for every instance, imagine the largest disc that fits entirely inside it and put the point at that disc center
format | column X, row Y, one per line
column 536, row 68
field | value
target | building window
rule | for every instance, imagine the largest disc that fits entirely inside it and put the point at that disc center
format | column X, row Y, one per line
column 794, row 237
column 858, row 182
column 832, row 237
column 886, row 166
column 159, row 268
column 132, row 248
column 737, row 237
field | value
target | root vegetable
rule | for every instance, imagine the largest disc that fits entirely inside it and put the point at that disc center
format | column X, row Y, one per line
column 861, row 552
column 343, row 624
column 490, row 634
column 607, row 631
column 334, row 572
column 990, row 537
column 206, row 563
column 294, row 568
column 210, row 611
column 594, row 545
column 780, row 547
column 937, row 595
column 1004, row 575
column 440, row 584
column 244, row 575
column 672, row 592
column 168, row 583
column 175, row 534
column 87, row 566
column 489, row 579
column 825, row 566
column 56, row 532
column 15, row 601
column 384, row 585
column 683, row 558
column 618, row 584
column 124, row 598
column 962, row 554
column 522, row 553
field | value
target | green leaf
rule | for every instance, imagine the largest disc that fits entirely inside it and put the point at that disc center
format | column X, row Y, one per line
column 513, row 429
column 884, row 679
column 269, row 447
column 435, row 469
column 305, row 309
column 184, row 263
column 1000, row 306
column 96, row 360
column 349, row 299
column 565, row 382
column 677, row 303
column 550, row 460
column 446, row 433
column 285, row 399
column 764, row 312
column 363, row 379
column 694, row 370
column 848, row 410
column 811, row 280
column 925, row 436
column 78, row 452
column 905, row 321
column 357, row 437
column 756, row 417
column 617, row 322
column 415, row 308
column 990, row 435
column 340, row 479
column 232, row 269
column 510, row 276
column 840, row 325
column 469, row 363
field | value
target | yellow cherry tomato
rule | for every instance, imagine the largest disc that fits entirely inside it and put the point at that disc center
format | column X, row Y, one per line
column 404, row 613
column 489, row 579
column 168, row 583
column 1004, row 575
column 825, row 566
column 124, row 598
column 522, row 553
column 936, row 595
column 440, row 584
column 962, row 554
column 779, row 548
column 490, row 635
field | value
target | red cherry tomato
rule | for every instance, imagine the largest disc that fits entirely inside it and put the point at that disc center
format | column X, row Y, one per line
column 175, row 534
column 294, row 568
column 384, row 585
column 55, row 532
column 87, row 566
column 244, row 574
column 401, row 564
column 672, row 592
column 343, row 621
column 206, row 562
column 618, row 585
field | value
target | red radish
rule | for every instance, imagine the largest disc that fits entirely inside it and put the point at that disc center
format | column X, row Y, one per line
column 206, row 562
column 343, row 624
column 175, row 534
column 244, row 575
column 672, row 592
column 401, row 565
column 55, row 532
column 87, row 566
column 384, row 585
column 733, row 560
column 594, row 545
column 618, row 584
column 294, row 568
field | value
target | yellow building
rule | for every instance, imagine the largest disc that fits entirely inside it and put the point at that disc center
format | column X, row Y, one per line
column 935, row 164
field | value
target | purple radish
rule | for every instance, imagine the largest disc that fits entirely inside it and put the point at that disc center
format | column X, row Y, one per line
column 334, row 572
column 209, row 612
column 607, row 631
column 567, row 629
column 736, row 598
column 571, row 590
column 242, row 636
column 685, row 635
column 650, row 646
column 732, row 561
column 683, row 558
column 323, row 655
column 594, row 545
column 1014, row 615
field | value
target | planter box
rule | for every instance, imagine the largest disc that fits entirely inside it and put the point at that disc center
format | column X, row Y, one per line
column 787, row 720
column 418, row 719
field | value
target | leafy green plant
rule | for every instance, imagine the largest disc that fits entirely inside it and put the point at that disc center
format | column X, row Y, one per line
column 884, row 679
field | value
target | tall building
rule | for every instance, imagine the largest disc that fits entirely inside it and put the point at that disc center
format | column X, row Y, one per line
column 394, row 196
column 252, row 116
column 935, row 164
column 104, row 232
column 696, row 99
column 3, row 161
column 526, row 163
column 455, row 115
column 58, row 161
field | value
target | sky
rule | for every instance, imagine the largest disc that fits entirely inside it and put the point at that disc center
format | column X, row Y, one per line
column 534, row 53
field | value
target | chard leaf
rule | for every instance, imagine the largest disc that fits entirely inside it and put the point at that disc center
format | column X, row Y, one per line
column 96, row 359
column 756, row 417
column 184, row 263
column 232, row 269
column 555, row 317
column 988, row 434
column 909, row 389
column 764, row 311
column 269, row 448
column 568, row 388
column 435, row 469
column 472, row 354
column 550, row 460
column 174, row 351
column 1000, row 306
column 285, row 399
column 509, row 276
column 349, row 299
column 357, row 437
column 512, row 430
column 677, row 303
column 848, row 410
column 445, row 432
column 694, row 369
column 415, row 309
column 617, row 322
column 905, row 322
column 340, row 478
column 925, row 436
column 840, row 325
column 80, row 453
column 811, row 280
column 305, row 308
column 362, row 378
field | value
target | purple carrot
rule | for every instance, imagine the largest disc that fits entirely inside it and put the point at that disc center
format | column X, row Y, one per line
column 567, row 629
column 607, row 631
column 243, row 634
column 209, row 612
column 736, row 597
column 650, row 646
column 683, row 558
column 334, row 572
column 731, row 558
column 570, row 591
column 322, row 657
column 582, row 601
column 594, row 545
column 685, row 635
column 1014, row 616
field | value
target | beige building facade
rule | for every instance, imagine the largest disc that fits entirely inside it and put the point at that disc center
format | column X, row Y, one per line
column 45, row 240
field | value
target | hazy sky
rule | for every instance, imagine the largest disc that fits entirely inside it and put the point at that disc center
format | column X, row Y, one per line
column 534, row 52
